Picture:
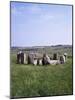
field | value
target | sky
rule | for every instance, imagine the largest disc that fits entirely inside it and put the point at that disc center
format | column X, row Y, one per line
column 34, row 24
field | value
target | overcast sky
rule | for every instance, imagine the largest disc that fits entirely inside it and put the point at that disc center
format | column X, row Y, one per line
column 40, row 24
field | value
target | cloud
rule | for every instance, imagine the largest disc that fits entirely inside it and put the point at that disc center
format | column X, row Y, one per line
column 29, row 8
column 35, row 9
column 15, row 11
column 34, row 13
column 46, row 17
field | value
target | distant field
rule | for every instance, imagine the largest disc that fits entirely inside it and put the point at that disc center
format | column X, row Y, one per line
column 50, row 80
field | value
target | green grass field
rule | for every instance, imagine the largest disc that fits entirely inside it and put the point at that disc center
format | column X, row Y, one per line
column 32, row 81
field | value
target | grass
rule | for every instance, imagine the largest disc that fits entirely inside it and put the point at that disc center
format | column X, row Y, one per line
column 32, row 81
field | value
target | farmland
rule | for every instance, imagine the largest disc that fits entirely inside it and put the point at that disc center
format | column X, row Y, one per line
column 47, row 80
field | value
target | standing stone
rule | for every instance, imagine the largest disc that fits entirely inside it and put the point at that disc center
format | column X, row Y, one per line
column 25, row 58
column 55, row 56
column 44, row 60
column 30, row 59
column 18, row 58
column 22, row 58
column 62, row 59
column 65, row 54
column 39, row 61
column 35, row 62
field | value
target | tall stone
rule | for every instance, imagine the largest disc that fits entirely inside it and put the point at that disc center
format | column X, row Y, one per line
column 25, row 59
column 18, row 58
column 55, row 56
column 22, row 58
column 62, row 59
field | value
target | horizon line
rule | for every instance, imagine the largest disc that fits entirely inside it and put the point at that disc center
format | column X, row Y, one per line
column 44, row 45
